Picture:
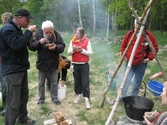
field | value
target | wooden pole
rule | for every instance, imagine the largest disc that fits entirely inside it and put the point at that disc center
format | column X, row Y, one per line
column 144, row 16
column 156, row 57
column 125, row 52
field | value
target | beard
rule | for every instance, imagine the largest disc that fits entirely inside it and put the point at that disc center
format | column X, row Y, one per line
column 47, row 38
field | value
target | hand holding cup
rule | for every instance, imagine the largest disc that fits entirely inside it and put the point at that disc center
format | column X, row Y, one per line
column 77, row 48
column 32, row 28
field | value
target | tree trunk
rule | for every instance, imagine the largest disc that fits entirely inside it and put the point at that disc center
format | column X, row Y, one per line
column 79, row 11
column 94, row 17
column 108, row 24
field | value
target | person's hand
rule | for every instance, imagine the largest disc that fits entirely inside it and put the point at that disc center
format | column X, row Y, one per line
column 52, row 47
column 32, row 28
column 74, row 48
column 62, row 83
column 147, row 121
column 42, row 40
column 146, row 60
column 77, row 48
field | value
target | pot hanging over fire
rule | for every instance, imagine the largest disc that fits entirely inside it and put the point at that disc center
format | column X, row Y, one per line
column 136, row 106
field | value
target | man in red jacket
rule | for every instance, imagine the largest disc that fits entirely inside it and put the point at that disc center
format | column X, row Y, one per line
column 142, row 55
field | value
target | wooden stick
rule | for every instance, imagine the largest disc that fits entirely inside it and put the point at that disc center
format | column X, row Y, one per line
column 125, row 52
column 156, row 57
column 143, row 20
column 153, row 112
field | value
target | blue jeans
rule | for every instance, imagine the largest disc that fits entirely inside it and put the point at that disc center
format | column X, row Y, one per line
column 136, row 71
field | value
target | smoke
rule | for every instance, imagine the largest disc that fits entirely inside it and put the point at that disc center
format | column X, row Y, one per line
column 64, row 14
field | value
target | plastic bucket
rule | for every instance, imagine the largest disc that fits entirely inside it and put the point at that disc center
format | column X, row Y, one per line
column 155, row 93
column 62, row 92
column 155, row 87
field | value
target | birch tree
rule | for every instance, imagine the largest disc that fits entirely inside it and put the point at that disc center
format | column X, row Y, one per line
column 108, row 17
column 108, row 25
column 79, row 11
column 94, row 17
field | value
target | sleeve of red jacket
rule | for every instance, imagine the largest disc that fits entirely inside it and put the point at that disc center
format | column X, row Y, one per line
column 124, row 43
column 154, row 43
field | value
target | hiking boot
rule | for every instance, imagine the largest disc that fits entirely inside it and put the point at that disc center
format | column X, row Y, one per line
column 78, row 99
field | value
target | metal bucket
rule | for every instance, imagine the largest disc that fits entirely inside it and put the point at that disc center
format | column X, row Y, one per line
column 136, row 106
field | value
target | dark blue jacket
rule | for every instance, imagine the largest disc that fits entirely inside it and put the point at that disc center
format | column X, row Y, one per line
column 47, row 60
column 13, row 45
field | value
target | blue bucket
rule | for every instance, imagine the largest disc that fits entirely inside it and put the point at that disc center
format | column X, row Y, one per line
column 155, row 87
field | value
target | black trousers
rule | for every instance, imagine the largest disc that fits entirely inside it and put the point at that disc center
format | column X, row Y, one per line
column 17, row 97
column 81, row 79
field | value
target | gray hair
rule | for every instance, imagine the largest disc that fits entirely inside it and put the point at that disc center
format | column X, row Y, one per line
column 47, row 24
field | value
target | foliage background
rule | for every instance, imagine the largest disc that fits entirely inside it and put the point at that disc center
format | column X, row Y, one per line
column 65, row 13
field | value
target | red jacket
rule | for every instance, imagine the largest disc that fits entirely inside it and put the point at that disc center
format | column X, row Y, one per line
column 141, row 51
column 77, row 56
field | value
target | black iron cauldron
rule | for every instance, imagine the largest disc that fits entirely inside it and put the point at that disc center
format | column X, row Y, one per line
column 136, row 106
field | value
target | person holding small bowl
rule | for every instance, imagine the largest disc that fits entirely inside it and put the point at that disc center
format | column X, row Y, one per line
column 161, row 118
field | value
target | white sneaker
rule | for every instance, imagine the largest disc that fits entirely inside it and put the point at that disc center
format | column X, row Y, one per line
column 78, row 99
column 87, row 104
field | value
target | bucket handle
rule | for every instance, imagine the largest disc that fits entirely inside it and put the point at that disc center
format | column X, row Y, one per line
column 144, row 87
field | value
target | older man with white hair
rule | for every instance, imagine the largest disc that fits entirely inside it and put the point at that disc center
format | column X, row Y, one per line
column 49, row 44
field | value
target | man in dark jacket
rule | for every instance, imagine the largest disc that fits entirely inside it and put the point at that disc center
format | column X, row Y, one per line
column 48, row 43
column 15, row 63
